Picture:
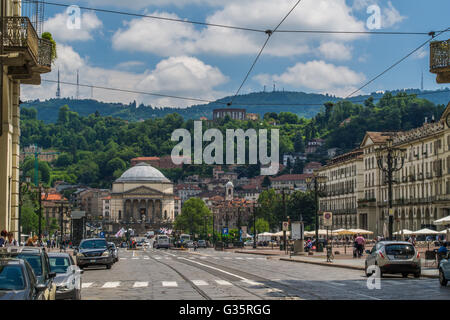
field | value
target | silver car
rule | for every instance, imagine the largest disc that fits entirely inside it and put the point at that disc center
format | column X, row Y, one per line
column 394, row 257
column 444, row 270
column 68, row 276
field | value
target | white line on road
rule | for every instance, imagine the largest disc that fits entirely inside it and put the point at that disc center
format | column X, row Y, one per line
column 223, row 283
column 86, row 284
column 169, row 284
column 200, row 282
column 239, row 258
column 113, row 284
column 123, row 258
column 253, row 283
column 140, row 284
column 146, row 258
column 135, row 258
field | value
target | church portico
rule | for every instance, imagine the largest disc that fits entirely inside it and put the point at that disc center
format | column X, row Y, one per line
column 143, row 195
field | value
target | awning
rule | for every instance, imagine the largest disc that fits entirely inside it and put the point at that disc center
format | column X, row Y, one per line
column 404, row 231
column 425, row 232
column 443, row 221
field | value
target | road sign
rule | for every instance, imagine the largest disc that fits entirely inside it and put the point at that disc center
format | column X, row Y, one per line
column 285, row 226
column 225, row 231
column 102, row 234
column 391, row 212
column 327, row 219
column 297, row 232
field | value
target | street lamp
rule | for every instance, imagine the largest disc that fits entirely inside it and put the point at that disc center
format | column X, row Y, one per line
column 318, row 184
column 255, row 206
column 389, row 160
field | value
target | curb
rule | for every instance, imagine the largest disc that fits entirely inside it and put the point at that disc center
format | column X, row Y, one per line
column 343, row 266
column 259, row 253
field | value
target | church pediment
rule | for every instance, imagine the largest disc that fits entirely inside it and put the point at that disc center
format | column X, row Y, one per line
column 141, row 191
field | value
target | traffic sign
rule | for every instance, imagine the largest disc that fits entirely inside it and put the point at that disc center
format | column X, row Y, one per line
column 102, row 234
column 225, row 231
column 327, row 219
column 285, row 226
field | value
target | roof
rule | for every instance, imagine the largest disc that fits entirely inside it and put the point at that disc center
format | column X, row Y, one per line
column 52, row 197
column 107, row 198
column 291, row 177
column 378, row 137
column 142, row 172
column 313, row 165
column 58, row 254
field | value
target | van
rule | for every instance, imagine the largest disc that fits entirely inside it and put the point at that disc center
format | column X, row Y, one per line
column 161, row 241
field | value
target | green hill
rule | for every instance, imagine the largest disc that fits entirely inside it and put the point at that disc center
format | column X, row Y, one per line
column 308, row 105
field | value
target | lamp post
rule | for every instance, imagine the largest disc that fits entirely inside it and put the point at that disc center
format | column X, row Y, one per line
column 389, row 160
column 318, row 184
column 255, row 206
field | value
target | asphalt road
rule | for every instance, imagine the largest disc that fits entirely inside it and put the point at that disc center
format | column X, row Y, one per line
column 208, row 274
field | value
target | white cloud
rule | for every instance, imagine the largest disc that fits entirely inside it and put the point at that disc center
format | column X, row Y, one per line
column 317, row 75
column 335, row 51
column 140, row 4
column 390, row 16
column 421, row 53
column 57, row 26
column 165, row 38
column 180, row 76
column 130, row 64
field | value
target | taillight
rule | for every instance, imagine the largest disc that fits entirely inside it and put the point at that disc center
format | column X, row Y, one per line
column 381, row 254
column 418, row 255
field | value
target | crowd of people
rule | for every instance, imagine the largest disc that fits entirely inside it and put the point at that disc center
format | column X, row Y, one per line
column 7, row 239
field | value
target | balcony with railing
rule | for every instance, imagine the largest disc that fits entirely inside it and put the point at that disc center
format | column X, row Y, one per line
column 25, row 54
column 440, row 60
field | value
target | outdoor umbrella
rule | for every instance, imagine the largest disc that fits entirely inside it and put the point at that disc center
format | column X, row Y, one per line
column 443, row 221
column 425, row 232
column 344, row 232
column 444, row 231
column 404, row 231
column 361, row 231
column 280, row 234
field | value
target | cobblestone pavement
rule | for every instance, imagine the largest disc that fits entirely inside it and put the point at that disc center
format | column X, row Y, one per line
column 207, row 274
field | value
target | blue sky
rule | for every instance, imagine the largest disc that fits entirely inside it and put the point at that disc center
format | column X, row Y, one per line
column 207, row 62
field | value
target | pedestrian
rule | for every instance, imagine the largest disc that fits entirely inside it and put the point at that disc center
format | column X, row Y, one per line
column 3, row 236
column 412, row 239
column 11, row 241
column 29, row 242
column 355, row 247
column 360, row 244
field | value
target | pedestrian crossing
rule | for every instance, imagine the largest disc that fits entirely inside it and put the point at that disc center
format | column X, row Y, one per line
column 165, row 284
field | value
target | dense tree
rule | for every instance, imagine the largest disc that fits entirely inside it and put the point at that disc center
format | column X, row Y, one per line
column 192, row 217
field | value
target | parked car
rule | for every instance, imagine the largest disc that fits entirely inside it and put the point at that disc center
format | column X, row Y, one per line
column 201, row 244
column 94, row 252
column 18, row 282
column 444, row 270
column 114, row 251
column 39, row 262
column 248, row 243
column 189, row 244
column 161, row 241
column 68, row 276
column 394, row 257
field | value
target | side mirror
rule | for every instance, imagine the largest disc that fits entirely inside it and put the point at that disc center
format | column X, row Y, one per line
column 51, row 275
column 41, row 287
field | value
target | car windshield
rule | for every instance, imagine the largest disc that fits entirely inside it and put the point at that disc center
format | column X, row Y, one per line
column 59, row 264
column 11, row 278
column 34, row 261
column 400, row 249
column 94, row 244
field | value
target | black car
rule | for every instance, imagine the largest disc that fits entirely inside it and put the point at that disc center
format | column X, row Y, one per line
column 39, row 262
column 18, row 282
column 94, row 252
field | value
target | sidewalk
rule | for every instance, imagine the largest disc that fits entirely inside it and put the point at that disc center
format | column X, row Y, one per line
column 340, row 261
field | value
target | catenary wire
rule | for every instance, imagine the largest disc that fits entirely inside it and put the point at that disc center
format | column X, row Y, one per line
column 396, row 63
column 236, row 27
column 269, row 34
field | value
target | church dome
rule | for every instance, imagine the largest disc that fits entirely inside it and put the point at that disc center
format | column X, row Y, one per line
column 142, row 172
column 229, row 184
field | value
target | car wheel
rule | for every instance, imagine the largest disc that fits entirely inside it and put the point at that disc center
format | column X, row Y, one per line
column 404, row 275
column 108, row 266
column 442, row 279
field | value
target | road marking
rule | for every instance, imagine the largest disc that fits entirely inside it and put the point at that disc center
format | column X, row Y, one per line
column 261, row 258
column 217, row 258
column 253, row 283
column 86, row 284
column 203, row 257
column 169, row 284
column 214, row 268
column 200, row 282
column 158, row 258
column 250, row 258
column 228, row 258
column 135, row 258
column 337, row 284
column 223, row 283
column 140, row 284
column 113, row 284
column 239, row 258
column 146, row 258
column 123, row 258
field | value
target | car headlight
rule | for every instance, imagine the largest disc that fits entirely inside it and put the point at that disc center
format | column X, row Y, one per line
column 105, row 254
column 68, row 285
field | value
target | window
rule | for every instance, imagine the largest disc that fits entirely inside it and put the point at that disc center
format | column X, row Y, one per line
column 59, row 264
column 11, row 278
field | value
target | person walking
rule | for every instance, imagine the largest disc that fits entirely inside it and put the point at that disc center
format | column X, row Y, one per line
column 10, row 242
column 3, row 236
column 360, row 241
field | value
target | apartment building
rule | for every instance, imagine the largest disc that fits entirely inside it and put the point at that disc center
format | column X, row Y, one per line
column 420, row 191
column 343, row 189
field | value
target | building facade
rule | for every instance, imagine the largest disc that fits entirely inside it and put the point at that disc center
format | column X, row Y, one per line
column 235, row 114
column 420, row 191
column 344, row 181
column 24, row 57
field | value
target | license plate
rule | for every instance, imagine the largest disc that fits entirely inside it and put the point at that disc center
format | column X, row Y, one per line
column 401, row 257
column 92, row 260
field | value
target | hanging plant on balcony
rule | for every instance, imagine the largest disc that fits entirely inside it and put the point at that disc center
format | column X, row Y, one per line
column 48, row 36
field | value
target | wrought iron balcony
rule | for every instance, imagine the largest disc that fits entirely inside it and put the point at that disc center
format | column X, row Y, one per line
column 440, row 60
column 25, row 54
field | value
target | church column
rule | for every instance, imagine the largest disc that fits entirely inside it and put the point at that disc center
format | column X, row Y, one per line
column 146, row 210
column 153, row 211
